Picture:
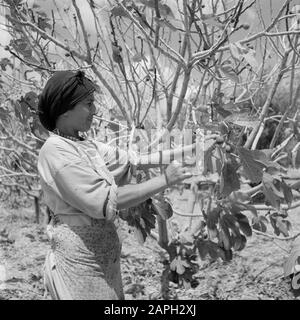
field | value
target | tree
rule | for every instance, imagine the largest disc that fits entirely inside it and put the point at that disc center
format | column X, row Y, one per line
column 188, row 65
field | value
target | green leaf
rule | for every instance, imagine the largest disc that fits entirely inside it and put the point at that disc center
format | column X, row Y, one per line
column 253, row 169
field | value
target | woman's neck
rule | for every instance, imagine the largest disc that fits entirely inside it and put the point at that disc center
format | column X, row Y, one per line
column 68, row 132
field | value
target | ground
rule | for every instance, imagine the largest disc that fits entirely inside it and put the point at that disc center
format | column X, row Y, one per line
column 255, row 273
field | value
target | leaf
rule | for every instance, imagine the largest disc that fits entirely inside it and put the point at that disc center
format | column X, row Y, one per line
column 213, row 217
column 163, row 208
column 258, row 223
column 244, row 224
column 178, row 265
column 282, row 226
column 288, row 195
column 165, row 10
column 38, row 130
column 4, row 62
column 139, row 235
column 231, row 222
column 43, row 23
column 268, row 190
column 250, row 58
column 225, row 238
column 228, row 255
column 166, row 23
column 235, row 51
column 224, row 113
column 253, row 169
column 239, row 242
column 211, row 20
column 292, row 260
column 118, row 11
column 242, row 119
column 215, row 251
column 22, row 112
column 4, row 114
column 202, row 248
column 31, row 99
column 230, row 73
column 229, row 180
column 138, row 57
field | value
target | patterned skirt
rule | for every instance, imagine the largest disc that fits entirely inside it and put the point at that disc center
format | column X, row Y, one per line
column 84, row 262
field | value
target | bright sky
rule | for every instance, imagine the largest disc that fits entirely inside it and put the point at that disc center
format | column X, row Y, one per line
column 269, row 8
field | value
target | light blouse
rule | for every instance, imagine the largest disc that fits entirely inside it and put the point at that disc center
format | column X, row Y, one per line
column 79, row 178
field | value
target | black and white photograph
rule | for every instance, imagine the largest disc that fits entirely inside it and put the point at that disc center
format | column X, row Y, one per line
column 150, row 151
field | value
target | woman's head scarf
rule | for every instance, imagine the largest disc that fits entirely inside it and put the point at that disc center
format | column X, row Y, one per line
column 61, row 93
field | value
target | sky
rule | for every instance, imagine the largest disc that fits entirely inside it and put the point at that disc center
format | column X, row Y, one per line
column 269, row 7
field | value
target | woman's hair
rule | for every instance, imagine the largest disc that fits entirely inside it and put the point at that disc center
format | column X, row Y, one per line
column 60, row 94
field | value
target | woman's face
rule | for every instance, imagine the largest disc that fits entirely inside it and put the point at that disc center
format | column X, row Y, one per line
column 81, row 116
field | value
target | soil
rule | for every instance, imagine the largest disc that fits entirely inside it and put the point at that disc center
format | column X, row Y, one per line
column 255, row 273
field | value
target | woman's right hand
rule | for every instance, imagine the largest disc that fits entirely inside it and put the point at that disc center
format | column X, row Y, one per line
column 176, row 173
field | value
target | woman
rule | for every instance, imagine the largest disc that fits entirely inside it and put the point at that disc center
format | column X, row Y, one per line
column 84, row 195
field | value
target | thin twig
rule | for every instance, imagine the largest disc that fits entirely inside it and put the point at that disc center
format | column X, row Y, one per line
column 276, row 237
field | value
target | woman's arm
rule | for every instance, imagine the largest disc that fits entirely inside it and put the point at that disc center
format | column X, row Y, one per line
column 131, row 195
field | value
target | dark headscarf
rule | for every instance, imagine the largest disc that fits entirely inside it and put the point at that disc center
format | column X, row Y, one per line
column 61, row 93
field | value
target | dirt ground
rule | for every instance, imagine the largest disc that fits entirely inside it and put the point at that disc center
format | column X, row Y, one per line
column 255, row 273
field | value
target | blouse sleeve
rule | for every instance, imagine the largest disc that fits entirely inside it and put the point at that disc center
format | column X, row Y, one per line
column 118, row 162
column 77, row 183
column 84, row 189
